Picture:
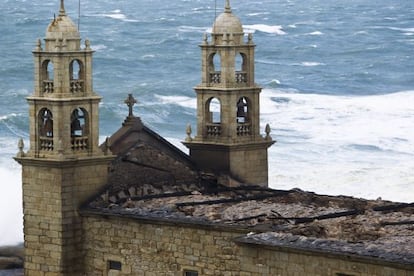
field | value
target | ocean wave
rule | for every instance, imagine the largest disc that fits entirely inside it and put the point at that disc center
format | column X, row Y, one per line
column 191, row 29
column 311, row 63
column 183, row 101
column 258, row 14
column 118, row 15
column 276, row 29
column 374, row 122
column 98, row 47
column 315, row 33
column 12, row 220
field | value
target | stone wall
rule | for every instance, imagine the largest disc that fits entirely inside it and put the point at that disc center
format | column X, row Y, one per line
column 133, row 247
column 52, row 193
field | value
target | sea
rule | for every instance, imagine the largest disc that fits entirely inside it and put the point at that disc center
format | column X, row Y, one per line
column 337, row 79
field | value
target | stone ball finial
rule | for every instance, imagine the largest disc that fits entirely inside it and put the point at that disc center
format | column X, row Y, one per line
column 268, row 130
column 87, row 45
column 20, row 145
column 188, row 132
column 250, row 38
column 107, row 146
column 38, row 45
column 205, row 39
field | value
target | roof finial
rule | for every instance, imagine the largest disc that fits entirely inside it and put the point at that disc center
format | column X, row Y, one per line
column 227, row 8
column 62, row 8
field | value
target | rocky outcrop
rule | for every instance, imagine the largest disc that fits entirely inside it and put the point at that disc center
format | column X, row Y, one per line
column 11, row 257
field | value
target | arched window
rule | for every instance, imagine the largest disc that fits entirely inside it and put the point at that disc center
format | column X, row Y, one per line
column 217, row 62
column 78, row 123
column 45, row 123
column 75, row 70
column 241, row 68
column 48, row 70
column 214, row 111
column 215, row 68
column 76, row 76
column 243, row 110
column 239, row 62
column 47, row 76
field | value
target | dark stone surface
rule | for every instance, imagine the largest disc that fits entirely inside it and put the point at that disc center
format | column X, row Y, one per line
column 11, row 260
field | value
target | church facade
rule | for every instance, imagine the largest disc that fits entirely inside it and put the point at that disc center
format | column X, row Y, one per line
column 137, row 205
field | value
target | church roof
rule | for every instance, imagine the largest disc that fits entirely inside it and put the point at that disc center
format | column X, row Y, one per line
column 152, row 180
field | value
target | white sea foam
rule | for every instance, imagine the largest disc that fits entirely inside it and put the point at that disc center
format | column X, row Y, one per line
column 190, row 29
column 11, row 216
column 98, row 47
column 116, row 14
column 183, row 101
column 258, row 14
column 315, row 33
column 264, row 28
column 353, row 145
column 311, row 63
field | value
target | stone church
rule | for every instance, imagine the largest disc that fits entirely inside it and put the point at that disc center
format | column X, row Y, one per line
column 137, row 205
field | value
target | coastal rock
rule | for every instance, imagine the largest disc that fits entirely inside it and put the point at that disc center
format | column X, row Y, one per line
column 11, row 257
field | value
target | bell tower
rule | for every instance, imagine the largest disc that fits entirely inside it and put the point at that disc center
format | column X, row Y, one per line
column 64, row 165
column 228, row 106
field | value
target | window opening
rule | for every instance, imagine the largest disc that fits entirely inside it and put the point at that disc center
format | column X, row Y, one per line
column 75, row 70
column 214, row 111
column 49, row 70
column 239, row 62
column 47, row 76
column 114, row 265
column 46, row 123
column 190, row 273
column 78, row 121
column 242, row 110
column 217, row 63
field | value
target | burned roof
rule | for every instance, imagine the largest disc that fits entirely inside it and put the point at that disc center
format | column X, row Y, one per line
column 150, row 180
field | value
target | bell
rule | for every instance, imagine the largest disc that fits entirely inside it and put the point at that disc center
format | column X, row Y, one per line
column 240, row 109
column 76, row 125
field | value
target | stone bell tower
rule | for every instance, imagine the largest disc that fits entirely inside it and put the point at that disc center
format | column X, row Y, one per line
column 64, row 165
column 228, row 106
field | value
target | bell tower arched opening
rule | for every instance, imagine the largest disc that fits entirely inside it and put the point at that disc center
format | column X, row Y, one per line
column 241, row 68
column 47, row 76
column 213, row 117
column 243, row 106
column 79, row 125
column 77, row 77
column 215, row 68
column 45, row 129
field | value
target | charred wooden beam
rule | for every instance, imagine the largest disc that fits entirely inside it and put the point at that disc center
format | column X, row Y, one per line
column 393, row 207
column 298, row 220
column 396, row 223
column 229, row 200
column 329, row 216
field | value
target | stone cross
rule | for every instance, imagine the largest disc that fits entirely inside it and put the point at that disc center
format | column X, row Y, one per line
column 130, row 102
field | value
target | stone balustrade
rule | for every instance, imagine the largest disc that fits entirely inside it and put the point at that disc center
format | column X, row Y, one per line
column 213, row 129
column 79, row 143
column 244, row 129
column 48, row 87
column 76, row 86
column 46, row 143
column 215, row 77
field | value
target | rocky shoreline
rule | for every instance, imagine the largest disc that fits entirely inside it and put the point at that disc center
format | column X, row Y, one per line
column 11, row 260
